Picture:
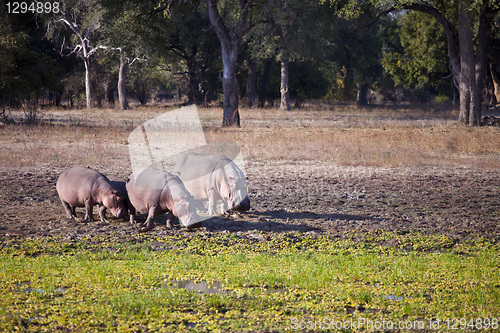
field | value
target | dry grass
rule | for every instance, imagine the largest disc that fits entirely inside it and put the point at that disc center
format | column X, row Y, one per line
column 342, row 135
column 379, row 137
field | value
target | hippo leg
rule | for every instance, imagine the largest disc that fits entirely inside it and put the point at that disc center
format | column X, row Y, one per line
column 132, row 214
column 170, row 218
column 200, row 205
column 102, row 213
column 224, row 207
column 149, row 224
column 194, row 226
column 88, row 212
column 212, row 210
column 70, row 211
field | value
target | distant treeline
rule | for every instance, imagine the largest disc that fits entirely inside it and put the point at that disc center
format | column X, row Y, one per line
column 250, row 52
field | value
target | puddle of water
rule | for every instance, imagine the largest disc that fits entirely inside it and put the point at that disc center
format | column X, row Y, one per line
column 32, row 290
column 37, row 290
column 199, row 287
column 393, row 298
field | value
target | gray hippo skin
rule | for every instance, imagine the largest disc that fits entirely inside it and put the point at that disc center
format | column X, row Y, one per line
column 120, row 185
column 84, row 187
column 157, row 192
column 214, row 177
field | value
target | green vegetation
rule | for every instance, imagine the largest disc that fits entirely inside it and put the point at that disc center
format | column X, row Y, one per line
column 274, row 284
column 93, row 51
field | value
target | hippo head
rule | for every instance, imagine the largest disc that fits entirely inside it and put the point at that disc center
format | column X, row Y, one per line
column 185, row 210
column 116, row 203
column 243, row 206
column 234, row 191
column 184, row 204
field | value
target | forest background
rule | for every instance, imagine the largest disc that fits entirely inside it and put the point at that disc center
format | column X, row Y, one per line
column 103, row 53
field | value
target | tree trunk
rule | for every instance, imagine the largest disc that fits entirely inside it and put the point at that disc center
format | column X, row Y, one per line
column 285, row 92
column 495, row 76
column 362, row 97
column 251, row 82
column 88, row 84
column 469, row 96
column 231, row 115
column 230, row 39
column 195, row 96
column 481, row 67
column 263, row 82
column 468, row 69
column 122, row 82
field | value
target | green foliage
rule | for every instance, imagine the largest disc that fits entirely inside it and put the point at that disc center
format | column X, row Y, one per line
column 29, row 67
column 442, row 99
column 329, row 52
column 354, row 52
column 95, row 284
column 424, row 60
column 307, row 81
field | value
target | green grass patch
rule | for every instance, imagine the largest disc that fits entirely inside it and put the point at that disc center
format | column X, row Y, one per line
column 284, row 283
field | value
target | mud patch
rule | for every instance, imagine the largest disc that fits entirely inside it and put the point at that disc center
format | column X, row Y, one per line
column 461, row 203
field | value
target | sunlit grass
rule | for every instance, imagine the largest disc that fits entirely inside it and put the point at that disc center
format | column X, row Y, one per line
column 124, row 287
column 342, row 135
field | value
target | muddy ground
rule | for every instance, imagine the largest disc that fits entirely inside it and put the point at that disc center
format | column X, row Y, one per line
column 303, row 197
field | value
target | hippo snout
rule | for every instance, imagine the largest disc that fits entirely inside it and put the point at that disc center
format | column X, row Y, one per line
column 191, row 220
column 243, row 206
column 119, row 213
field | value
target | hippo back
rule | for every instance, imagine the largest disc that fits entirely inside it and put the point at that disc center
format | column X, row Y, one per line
column 78, row 184
column 201, row 173
column 151, row 187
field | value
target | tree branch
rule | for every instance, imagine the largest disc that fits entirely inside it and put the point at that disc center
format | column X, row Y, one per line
column 377, row 18
column 428, row 9
column 219, row 26
column 454, row 61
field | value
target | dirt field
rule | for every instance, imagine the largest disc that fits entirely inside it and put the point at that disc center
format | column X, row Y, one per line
column 331, row 171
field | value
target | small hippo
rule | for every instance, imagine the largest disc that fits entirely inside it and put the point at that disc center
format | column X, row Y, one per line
column 213, row 177
column 157, row 192
column 85, row 187
column 120, row 185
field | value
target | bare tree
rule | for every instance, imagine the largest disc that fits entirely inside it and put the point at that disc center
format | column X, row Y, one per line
column 83, row 20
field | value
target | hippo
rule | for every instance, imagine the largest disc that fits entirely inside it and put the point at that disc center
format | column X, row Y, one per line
column 211, row 178
column 85, row 187
column 157, row 192
column 120, row 185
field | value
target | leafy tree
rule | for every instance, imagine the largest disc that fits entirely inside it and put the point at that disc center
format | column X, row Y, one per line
column 472, row 21
column 424, row 59
column 354, row 50
column 28, row 68
column 231, row 20
column 288, row 32
column 185, row 35
column 124, row 28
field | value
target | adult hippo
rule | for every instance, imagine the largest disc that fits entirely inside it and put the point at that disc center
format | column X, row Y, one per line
column 120, row 185
column 158, row 192
column 85, row 187
column 212, row 178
